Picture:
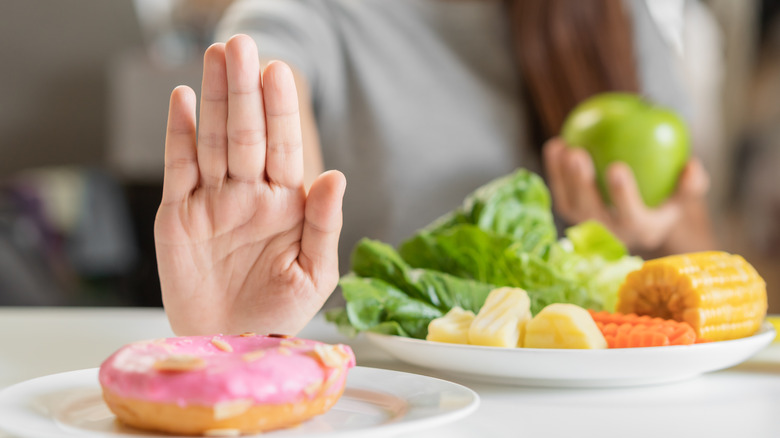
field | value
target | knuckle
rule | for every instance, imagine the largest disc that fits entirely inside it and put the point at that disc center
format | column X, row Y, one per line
column 179, row 163
column 212, row 141
column 246, row 137
column 285, row 146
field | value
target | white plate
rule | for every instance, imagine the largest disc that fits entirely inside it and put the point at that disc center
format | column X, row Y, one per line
column 575, row 368
column 376, row 402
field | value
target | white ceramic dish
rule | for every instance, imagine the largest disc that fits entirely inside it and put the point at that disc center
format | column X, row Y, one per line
column 376, row 403
column 575, row 368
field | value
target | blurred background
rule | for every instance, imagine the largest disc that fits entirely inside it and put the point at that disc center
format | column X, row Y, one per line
column 84, row 89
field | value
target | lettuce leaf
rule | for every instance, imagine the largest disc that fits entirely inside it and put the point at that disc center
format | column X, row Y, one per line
column 471, row 252
column 373, row 304
column 441, row 290
column 592, row 239
column 596, row 259
column 516, row 206
column 384, row 294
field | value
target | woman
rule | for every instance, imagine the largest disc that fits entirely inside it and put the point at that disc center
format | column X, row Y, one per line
column 420, row 102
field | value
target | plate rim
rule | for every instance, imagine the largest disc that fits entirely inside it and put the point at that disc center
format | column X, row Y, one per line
column 764, row 330
column 390, row 428
column 539, row 367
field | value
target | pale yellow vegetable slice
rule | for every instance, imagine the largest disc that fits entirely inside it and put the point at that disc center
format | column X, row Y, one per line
column 452, row 328
column 563, row 325
column 501, row 320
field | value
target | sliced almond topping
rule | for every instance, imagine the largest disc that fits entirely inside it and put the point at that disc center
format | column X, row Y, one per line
column 285, row 351
column 276, row 335
column 330, row 355
column 312, row 388
column 298, row 343
column 180, row 363
column 159, row 342
column 333, row 378
column 253, row 355
column 231, row 408
column 221, row 344
column 222, row 432
column 247, row 334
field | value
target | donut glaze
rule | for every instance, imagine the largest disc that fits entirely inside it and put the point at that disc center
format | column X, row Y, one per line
column 222, row 372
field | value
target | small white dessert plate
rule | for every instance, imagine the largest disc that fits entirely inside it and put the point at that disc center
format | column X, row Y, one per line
column 376, row 402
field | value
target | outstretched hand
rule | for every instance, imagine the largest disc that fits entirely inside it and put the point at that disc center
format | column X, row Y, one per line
column 680, row 224
column 240, row 244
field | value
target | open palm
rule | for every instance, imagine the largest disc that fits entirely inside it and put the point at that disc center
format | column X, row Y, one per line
column 240, row 244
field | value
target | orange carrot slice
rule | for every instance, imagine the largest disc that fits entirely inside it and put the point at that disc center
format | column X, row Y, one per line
column 630, row 330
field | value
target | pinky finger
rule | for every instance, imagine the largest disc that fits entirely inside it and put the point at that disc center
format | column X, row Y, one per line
column 181, row 163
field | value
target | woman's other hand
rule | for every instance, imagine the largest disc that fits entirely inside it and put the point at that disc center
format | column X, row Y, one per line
column 680, row 224
column 240, row 244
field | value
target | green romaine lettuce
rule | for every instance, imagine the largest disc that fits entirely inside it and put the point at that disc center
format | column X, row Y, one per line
column 593, row 257
column 471, row 252
column 441, row 290
column 516, row 206
column 373, row 304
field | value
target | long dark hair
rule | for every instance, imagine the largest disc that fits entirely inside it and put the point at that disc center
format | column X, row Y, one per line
column 568, row 50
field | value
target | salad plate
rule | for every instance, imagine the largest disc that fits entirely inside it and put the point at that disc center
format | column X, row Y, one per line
column 376, row 402
column 574, row 368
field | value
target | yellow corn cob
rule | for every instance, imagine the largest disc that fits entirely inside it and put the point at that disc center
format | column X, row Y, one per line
column 452, row 328
column 562, row 325
column 719, row 294
column 501, row 320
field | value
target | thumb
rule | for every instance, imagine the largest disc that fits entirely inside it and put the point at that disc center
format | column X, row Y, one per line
column 321, row 229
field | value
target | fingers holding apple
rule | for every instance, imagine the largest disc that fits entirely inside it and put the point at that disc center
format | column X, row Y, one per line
column 572, row 179
column 653, row 141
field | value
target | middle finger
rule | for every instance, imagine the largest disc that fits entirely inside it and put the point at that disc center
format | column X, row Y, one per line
column 246, row 132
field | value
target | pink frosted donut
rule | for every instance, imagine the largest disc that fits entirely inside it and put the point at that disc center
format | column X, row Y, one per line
column 223, row 385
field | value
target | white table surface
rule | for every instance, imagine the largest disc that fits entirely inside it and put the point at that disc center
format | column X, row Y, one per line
column 743, row 401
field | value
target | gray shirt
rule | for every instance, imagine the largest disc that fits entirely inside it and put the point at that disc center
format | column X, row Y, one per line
column 416, row 101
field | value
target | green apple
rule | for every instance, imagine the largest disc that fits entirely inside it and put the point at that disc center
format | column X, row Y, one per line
column 652, row 140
